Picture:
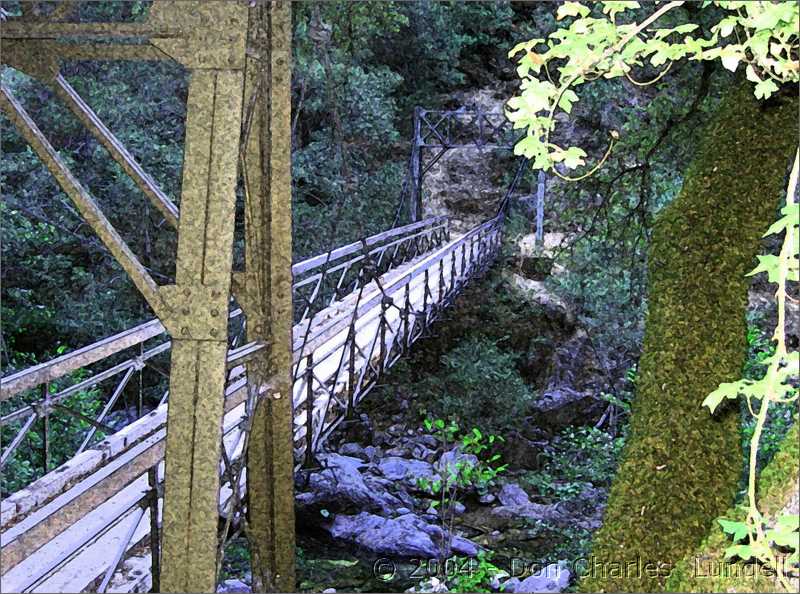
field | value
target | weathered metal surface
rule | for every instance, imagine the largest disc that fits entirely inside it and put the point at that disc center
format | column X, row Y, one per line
column 59, row 367
column 199, row 330
column 268, row 293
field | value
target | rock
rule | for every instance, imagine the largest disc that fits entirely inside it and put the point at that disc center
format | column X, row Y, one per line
column 510, row 585
column 233, row 586
column 372, row 453
column 398, row 452
column 561, row 406
column 487, row 498
column 359, row 429
column 537, row 293
column 405, row 470
column 532, row 512
column 404, row 536
column 451, row 458
column 340, row 487
column 553, row 578
column 353, row 449
column 521, row 452
column 459, row 508
column 512, row 494
column 421, row 452
column 401, row 511
column 329, row 591
column 429, row 440
column 396, row 430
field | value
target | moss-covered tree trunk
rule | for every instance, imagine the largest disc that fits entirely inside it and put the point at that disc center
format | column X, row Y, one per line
column 681, row 466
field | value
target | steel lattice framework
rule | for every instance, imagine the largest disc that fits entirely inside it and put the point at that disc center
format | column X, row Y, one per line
column 238, row 60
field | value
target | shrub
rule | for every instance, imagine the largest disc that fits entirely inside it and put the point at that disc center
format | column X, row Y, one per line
column 479, row 386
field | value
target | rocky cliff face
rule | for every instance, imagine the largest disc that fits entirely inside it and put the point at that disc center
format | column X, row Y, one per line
column 468, row 184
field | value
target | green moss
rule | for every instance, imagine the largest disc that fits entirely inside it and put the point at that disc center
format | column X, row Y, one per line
column 681, row 466
column 695, row 573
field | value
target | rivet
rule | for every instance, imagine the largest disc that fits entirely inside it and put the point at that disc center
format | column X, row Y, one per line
column 185, row 311
column 213, row 332
column 185, row 331
column 214, row 313
column 187, row 292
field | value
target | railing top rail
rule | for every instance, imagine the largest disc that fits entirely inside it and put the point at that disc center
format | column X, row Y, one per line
column 54, row 369
column 356, row 246
column 339, row 322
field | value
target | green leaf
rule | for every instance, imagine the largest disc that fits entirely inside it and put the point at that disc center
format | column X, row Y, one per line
column 731, row 391
column 572, row 9
column 573, row 157
column 567, row 99
column 736, row 529
column 744, row 552
column 612, row 7
column 765, row 88
column 769, row 264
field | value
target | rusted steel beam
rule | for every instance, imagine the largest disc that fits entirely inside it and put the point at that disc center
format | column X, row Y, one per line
column 199, row 297
column 83, row 200
column 268, row 293
column 116, row 149
column 119, row 32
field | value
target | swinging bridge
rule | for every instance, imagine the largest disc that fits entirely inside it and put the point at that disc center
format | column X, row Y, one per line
column 253, row 394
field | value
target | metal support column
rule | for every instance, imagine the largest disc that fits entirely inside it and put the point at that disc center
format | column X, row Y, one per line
column 267, row 294
column 197, row 305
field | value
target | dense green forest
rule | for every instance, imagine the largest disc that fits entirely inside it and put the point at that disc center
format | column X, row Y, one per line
column 580, row 354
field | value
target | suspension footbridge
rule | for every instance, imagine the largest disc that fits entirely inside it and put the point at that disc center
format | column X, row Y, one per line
column 248, row 397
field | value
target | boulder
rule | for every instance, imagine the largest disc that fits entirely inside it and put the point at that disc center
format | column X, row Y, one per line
column 407, row 471
column 513, row 494
column 536, row 293
column 510, row 585
column 353, row 450
column 561, row 406
column 403, row 536
column 553, row 578
column 233, row 586
column 340, row 487
column 450, row 459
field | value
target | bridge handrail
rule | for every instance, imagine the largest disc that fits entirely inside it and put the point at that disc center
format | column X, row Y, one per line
column 56, row 368
column 340, row 322
column 356, row 247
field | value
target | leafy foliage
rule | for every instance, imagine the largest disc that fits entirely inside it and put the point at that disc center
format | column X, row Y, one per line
column 478, row 386
column 602, row 46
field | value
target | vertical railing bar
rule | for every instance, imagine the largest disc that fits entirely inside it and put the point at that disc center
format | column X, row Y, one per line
column 155, row 537
column 309, row 374
column 111, row 401
column 46, row 425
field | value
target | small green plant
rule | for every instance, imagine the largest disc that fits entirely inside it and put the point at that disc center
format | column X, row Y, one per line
column 473, row 466
column 475, row 575
column 755, row 538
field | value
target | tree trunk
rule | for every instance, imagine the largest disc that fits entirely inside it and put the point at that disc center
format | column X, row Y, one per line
column 681, row 466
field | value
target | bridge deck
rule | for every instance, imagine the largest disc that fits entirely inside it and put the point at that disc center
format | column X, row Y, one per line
column 64, row 532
